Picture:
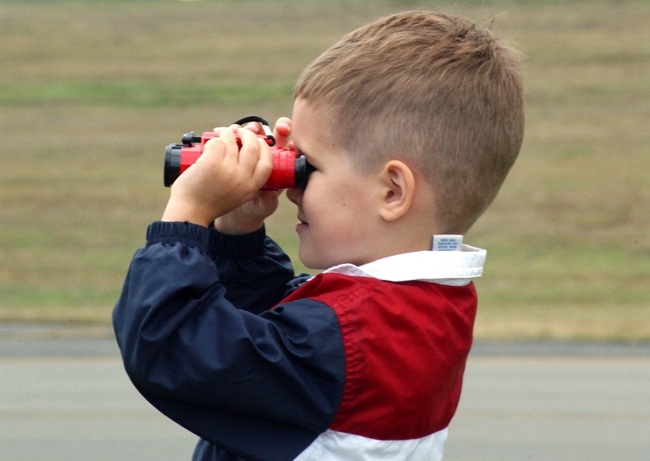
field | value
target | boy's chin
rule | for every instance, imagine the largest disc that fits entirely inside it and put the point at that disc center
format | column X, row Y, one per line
column 314, row 265
column 322, row 264
column 319, row 260
column 314, row 262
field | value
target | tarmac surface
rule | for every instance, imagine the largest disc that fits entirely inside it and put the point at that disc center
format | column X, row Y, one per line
column 64, row 396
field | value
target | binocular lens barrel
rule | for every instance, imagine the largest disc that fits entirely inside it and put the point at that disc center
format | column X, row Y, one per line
column 289, row 170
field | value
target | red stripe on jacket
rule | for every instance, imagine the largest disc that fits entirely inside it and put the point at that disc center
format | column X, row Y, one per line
column 406, row 345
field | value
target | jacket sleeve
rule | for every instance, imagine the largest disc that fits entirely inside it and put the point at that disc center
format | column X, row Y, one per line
column 240, row 380
column 252, row 268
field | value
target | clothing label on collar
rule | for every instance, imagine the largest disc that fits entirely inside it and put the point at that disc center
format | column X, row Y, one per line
column 447, row 242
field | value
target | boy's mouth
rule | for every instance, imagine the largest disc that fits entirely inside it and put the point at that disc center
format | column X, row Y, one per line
column 301, row 223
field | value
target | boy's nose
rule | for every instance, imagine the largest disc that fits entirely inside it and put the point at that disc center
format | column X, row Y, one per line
column 295, row 195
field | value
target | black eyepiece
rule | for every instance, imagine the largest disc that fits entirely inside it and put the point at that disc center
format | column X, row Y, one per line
column 172, row 163
column 303, row 170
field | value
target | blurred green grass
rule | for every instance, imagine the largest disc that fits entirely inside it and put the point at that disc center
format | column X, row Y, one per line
column 144, row 94
column 92, row 92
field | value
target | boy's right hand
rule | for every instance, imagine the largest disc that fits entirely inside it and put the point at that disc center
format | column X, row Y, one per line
column 251, row 215
column 224, row 178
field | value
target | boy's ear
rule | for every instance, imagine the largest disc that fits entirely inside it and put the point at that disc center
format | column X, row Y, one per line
column 398, row 190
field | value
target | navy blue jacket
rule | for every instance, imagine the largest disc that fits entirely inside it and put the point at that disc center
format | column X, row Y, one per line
column 220, row 336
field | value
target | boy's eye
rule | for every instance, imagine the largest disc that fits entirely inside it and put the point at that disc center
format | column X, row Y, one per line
column 310, row 167
column 307, row 160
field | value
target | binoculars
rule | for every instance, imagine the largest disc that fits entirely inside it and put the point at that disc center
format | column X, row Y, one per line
column 289, row 170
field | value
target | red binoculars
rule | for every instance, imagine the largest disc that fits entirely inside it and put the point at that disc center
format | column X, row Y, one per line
column 289, row 170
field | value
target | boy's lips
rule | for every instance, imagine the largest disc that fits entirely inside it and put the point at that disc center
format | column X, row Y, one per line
column 302, row 223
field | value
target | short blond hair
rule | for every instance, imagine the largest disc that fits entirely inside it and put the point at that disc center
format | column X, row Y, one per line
column 432, row 90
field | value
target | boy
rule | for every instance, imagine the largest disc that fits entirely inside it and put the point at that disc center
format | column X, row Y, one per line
column 411, row 124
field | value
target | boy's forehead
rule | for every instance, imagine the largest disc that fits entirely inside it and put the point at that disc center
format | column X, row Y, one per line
column 303, row 114
column 309, row 125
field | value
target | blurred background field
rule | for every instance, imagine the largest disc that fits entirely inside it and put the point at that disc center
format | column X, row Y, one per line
column 92, row 91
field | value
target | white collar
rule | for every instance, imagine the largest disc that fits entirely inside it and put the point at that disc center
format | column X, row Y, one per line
column 456, row 268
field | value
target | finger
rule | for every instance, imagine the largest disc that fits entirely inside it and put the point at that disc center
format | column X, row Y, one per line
column 282, row 131
column 227, row 135
column 255, row 127
column 217, row 130
column 250, row 151
column 235, row 128
column 215, row 148
column 268, row 195
column 263, row 162
column 265, row 203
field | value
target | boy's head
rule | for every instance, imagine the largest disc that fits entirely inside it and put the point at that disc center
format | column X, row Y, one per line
column 430, row 90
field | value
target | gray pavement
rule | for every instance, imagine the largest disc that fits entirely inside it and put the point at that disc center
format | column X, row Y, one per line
column 576, row 408
column 65, row 396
